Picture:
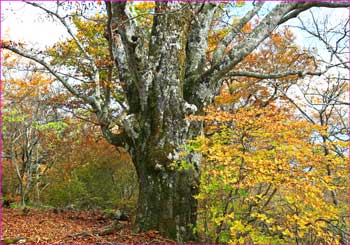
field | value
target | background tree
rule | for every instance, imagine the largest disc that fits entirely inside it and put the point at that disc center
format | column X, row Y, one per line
column 164, row 74
column 28, row 114
column 54, row 154
column 90, row 173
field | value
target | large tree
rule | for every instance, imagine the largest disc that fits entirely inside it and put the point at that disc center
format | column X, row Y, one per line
column 165, row 74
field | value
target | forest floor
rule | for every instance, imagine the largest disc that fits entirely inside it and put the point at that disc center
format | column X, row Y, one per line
column 48, row 226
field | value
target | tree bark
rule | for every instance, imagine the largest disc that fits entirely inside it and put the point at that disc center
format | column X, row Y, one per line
column 157, row 127
column 166, row 203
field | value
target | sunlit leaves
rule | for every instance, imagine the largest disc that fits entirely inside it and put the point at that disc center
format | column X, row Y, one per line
column 264, row 177
column 145, row 11
column 91, row 34
column 277, row 54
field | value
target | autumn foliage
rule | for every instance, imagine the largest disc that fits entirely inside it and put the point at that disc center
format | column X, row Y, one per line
column 268, row 174
column 266, row 155
column 264, row 179
column 53, row 154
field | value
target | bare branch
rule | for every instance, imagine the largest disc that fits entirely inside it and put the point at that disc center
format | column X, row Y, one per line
column 321, row 36
column 301, row 74
column 301, row 7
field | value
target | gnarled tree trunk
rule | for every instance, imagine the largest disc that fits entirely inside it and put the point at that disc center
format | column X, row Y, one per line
column 166, row 202
column 166, row 195
column 164, row 83
column 157, row 128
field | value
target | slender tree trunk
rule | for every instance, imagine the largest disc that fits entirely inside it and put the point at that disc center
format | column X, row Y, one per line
column 23, row 198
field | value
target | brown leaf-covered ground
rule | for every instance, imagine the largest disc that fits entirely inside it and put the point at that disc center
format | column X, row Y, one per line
column 78, row 227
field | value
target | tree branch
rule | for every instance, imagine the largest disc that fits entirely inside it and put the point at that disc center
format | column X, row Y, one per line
column 303, row 112
column 97, row 99
column 50, row 70
column 301, row 74
column 301, row 7
column 317, row 34
column 69, row 30
column 251, row 41
column 211, row 79
column 114, row 139
column 219, row 52
column 197, row 42
column 122, row 29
